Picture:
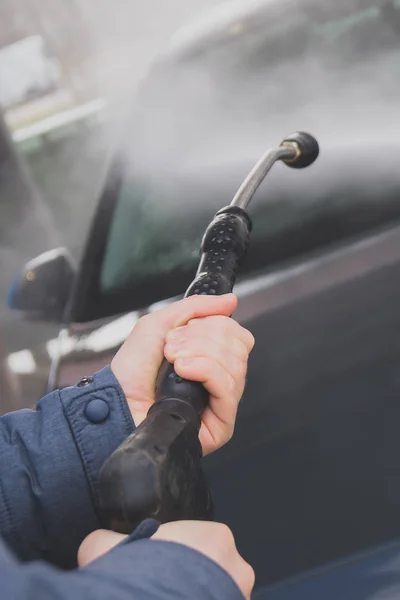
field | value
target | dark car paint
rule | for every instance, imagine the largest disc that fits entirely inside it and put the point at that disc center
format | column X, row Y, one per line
column 312, row 471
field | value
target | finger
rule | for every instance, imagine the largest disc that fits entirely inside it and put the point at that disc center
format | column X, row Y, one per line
column 217, row 351
column 184, row 336
column 218, row 420
column 245, row 577
column 217, row 326
column 97, row 544
column 218, row 382
column 195, row 307
column 214, row 433
column 140, row 358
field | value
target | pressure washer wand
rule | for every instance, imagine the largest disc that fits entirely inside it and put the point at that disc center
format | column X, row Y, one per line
column 156, row 473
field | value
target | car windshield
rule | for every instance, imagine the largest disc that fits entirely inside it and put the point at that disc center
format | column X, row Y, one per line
column 202, row 120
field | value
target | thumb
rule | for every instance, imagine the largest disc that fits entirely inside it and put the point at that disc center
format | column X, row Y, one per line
column 96, row 544
column 137, row 363
column 194, row 307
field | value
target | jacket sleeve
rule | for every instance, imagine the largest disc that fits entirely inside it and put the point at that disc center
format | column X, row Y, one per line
column 50, row 459
column 142, row 570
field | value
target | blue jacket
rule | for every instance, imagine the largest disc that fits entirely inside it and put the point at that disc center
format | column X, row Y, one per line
column 49, row 464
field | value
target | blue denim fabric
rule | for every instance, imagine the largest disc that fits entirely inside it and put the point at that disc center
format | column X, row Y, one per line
column 50, row 459
column 137, row 569
column 49, row 465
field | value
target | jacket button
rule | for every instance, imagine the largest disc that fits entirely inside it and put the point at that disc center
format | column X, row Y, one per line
column 85, row 381
column 97, row 410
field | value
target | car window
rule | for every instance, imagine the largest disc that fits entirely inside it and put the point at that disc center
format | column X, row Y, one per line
column 190, row 114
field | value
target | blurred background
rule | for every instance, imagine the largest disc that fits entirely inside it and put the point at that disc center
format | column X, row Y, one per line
column 80, row 89
column 317, row 438
column 66, row 69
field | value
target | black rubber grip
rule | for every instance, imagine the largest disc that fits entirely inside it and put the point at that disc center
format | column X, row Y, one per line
column 223, row 246
column 156, row 472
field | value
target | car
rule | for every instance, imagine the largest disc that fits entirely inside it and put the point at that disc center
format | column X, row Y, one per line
column 312, row 472
column 44, row 187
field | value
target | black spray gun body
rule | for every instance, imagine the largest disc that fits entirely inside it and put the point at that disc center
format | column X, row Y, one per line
column 156, row 473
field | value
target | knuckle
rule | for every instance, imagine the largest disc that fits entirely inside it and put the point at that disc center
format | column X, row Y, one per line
column 241, row 368
column 188, row 344
column 227, row 322
column 229, row 326
column 225, row 535
column 231, row 323
column 168, row 352
column 200, row 365
column 240, row 349
column 250, row 340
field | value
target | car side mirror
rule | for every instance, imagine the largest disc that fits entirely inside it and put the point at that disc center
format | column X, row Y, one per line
column 42, row 290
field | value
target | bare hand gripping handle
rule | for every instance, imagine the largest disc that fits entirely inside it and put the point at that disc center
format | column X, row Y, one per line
column 156, row 472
